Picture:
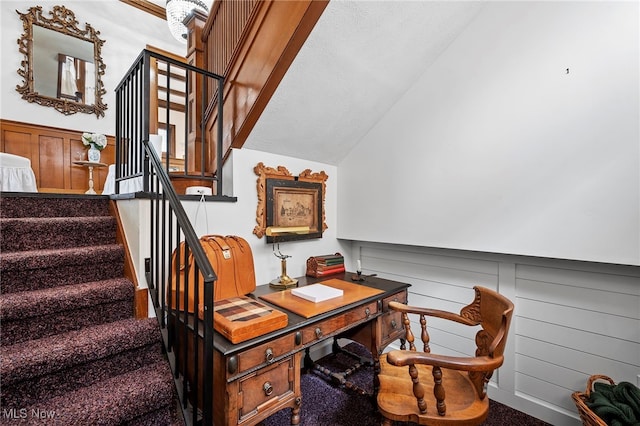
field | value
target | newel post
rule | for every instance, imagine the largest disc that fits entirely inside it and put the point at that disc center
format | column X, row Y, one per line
column 196, row 151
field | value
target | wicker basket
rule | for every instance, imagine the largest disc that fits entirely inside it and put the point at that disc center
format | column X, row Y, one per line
column 587, row 416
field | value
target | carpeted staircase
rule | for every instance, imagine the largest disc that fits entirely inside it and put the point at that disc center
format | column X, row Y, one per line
column 71, row 350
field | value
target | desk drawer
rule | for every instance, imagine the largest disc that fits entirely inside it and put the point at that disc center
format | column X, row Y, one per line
column 267, row 390
column 334, row 325
column 398, row 297
column 391, row 322
column 261, row 355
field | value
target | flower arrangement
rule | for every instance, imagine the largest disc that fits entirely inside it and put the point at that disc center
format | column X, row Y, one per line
column 94, row 140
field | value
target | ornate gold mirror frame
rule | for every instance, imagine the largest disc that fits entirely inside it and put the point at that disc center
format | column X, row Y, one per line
column 62, row 23
column 308, row 187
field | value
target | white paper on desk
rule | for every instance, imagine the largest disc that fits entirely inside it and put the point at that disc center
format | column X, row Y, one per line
column 317, row 292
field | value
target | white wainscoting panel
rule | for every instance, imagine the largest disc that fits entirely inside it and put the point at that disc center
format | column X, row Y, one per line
column 571, row 319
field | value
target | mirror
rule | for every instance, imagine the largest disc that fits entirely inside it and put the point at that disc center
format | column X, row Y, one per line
column 62, row 66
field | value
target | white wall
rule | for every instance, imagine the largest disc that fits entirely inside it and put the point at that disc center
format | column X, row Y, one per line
column 126, row 31
column 497, row 148
column 239, row 218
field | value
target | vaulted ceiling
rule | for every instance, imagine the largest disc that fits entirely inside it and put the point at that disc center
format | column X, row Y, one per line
column 358, row 61
column 360, row 58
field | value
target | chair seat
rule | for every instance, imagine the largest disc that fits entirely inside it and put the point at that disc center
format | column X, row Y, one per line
column 127, row 186
column 397, row 402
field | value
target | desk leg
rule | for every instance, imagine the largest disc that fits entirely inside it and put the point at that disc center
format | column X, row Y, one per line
column 91, row 190
column 295, row 412
column 308, row 361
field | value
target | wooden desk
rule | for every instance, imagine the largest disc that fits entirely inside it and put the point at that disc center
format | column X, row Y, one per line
column 258, row 377
column 90, row 165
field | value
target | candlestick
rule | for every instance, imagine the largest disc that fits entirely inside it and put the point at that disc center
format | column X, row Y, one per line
column 359, row 269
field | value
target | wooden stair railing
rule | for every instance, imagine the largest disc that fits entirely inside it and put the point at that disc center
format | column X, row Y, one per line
column 252, row 43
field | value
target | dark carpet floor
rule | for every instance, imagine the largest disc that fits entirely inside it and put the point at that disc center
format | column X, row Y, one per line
column 328, row 403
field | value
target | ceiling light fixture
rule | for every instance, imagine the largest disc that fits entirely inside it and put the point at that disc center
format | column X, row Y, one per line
column 177, row 11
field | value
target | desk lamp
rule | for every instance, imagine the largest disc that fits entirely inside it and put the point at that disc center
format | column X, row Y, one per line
column 284, row 281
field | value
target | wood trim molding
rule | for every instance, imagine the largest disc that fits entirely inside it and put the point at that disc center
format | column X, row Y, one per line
column 274, row 34
column 141, row 303
column 129, row 270
column 140, row 298
column 297, row 38
column 166, row 53
column 147, row 6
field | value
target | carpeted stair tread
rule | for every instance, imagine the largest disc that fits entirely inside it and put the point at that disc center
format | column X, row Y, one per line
column 37, row 303
column 113, row 401
column 36, row 314
column 77, row 256
column 34, row 358
column 31, row 391
column 166, row 416
column 24, row 234
column 70, row 346
column 42, row 205
column 38, row 269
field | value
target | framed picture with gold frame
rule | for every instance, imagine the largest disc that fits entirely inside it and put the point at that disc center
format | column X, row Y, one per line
column 294, row 204
column 287, row 202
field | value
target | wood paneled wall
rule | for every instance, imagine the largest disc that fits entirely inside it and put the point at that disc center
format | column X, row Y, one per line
column 571, row 319
column 52, row 152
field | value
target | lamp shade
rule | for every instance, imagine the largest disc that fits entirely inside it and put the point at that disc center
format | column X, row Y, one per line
column 177, row 11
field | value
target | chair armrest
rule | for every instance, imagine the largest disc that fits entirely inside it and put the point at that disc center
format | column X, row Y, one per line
column 481, row 363
column 401, row 307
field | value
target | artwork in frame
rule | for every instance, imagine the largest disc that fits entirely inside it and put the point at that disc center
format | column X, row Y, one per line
column 294, row 204
column 290, row 202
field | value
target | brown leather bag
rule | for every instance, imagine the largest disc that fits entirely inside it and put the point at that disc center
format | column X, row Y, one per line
column 232, row 262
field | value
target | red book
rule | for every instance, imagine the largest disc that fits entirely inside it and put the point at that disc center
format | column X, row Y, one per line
column 330, row 272
column 330, row 267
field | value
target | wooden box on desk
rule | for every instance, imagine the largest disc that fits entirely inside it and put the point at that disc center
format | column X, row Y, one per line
column 242, row 318
column 322, row 266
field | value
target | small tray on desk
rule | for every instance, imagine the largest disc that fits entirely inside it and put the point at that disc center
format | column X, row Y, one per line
column 351, row 293
column 242, row 318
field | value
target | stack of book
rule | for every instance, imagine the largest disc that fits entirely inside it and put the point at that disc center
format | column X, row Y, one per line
column 329, row 264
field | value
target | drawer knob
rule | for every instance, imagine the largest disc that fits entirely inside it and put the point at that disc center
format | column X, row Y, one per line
column 367, row 312
column 394, row 324
column 268, row 355
column 232, row 364
column 268, row 389
column 318, row 333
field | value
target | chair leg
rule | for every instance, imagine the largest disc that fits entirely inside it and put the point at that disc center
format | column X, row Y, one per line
column 438, row 391
column 386, row 422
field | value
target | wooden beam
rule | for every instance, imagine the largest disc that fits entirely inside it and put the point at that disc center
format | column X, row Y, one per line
column 173, row 92
column 173, row 106
column 173, row 75
column 297, row 20
column 147, row 6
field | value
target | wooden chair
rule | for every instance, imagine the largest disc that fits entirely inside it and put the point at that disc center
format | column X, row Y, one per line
column 413, row 384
